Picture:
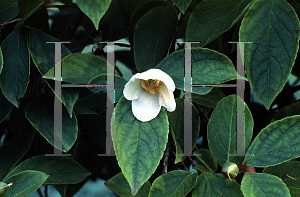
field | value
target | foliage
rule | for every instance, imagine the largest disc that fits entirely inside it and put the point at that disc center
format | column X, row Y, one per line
column 150, row 158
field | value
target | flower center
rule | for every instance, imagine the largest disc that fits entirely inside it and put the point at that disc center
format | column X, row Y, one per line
column 152, row 85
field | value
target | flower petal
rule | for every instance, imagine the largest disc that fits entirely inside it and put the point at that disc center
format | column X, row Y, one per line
column 146, row 106
column 132, row 89
column 166, row 99
column 157, row 74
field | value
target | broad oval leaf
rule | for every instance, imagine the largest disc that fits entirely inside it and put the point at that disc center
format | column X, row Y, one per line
column 80, row 68
column 176, row 120
column 5, row 107
column 223, row 126
column 61, row 170
column 12, row 151
column 209, row 67
column 276, row 143
column 215, row 185
column 120, row 186
column 40, row 114
column 287, row 171
column 14, row 77
column 94, row 9
column 209, row 100
column 153, row 35
column 24, row 183
column 207, row 160
column 8, row 10
column 42, row 53
column 263, row 184
column 174, row 183
column 212, row 18
column 182, row 4
column 139, row 146
column 271, row 25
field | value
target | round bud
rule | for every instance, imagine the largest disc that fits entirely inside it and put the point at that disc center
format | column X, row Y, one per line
column 231, row 168
column 3, row 189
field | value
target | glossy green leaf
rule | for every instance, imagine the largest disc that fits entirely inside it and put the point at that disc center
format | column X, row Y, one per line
column 209, row 67
column 210, row 185
column 271, row 25
column 182, row 4
column 1, row 60
column 5, row 107
column 176, row 120
column 120, row 82
column 95, row 124
column 61, row 170
column 207, row 159
column 212, row 18
column 94, row 9
column 222, row 130
column 14, row 77
column 209, row 100
column 153, row 35
column 69, row 95
column 12, row 151
column 77, row 67
column 40, row 114
column 27, row 8
column 42, row 53
column 24, row 183
column 8, row 10
column 263, row 184
column 139, row 146
column 289, row 110
column 120, row 186
column 276, row 143
column 174, row 183
column 289, row 173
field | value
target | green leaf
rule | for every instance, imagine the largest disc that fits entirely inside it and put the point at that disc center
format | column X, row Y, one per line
column 8, row 10
column 120, row 82
column 40, row 114
column 153, row 35
column 174, row 183
column 176, row 120
column 262, row 184
column 209, row 100
column 12, row 151
column 27, row 8
column 120, row 186
column 42, row 53
column 207, row 159
column 212, row 18
column 289, row 110
column 271, row 26
column 77, row 67
column 222, row 130
column 14, row 77
column 209, row 67
column 94, row 9
column 1, row 60
column 61, row 170
column 5, row 107
column 24, row 183
column 139, row 146
column 182, row 4
column 210, row 185
column 276, row 143
column 287, row 171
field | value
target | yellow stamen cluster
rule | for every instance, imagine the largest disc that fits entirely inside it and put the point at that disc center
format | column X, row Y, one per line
column 152, row 86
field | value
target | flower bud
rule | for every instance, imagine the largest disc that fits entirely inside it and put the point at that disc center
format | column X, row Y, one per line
column 230, row 169
column 4, row 189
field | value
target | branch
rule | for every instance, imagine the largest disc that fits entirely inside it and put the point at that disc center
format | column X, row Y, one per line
column 130, row 37
column 43, row 7
column 165, row 159
column 184, row 166
column 74, row 27
column 199, row 109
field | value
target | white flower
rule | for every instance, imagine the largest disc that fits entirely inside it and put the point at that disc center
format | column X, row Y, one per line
column 149, row 91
